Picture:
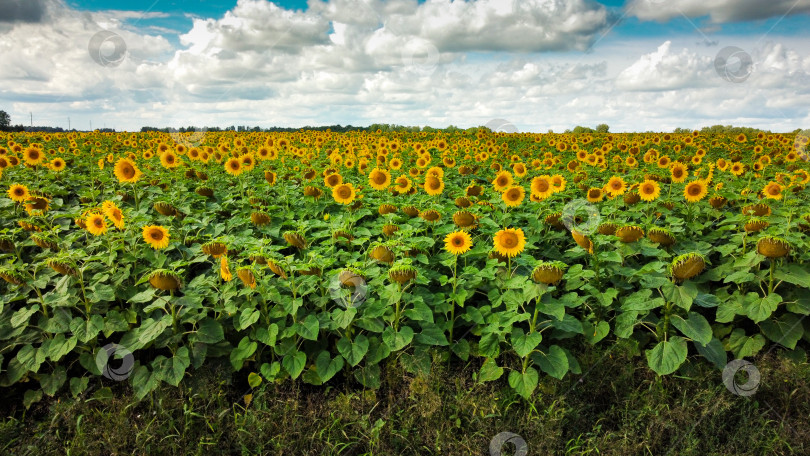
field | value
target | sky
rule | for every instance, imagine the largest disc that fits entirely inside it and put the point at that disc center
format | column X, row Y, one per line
column 540, row 65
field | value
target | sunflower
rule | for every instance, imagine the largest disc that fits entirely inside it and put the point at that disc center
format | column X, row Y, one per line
column 343, row 193
column 270, row 177
column 513, row 196
column 465, row 219
column 509, row 242
column 695, row 191
column 773, row 247
column 57, row 164
column 333, row 180
column 233, row 166
column 687, row 266
column 18, row 193
column 156, row 236
column 773, row 190
column 168, row 159
column 247, row 276
column 114, row 214
column 542, row 187
column 737, row 168
column 549, row 272
column 163, row 279
column 557, row 183
column 402, row 274
column 382, row 253
column 214, row 248
column 678, row 172
column 126, row 171
column 595, row 195
column 503, row 181
column 33, row 156
column 615, row 186
column 224, row 270
column 379, row 179
column 402, row 184
column 457, row 242
column 649, row 190
column 96, row 224
column 434, row 185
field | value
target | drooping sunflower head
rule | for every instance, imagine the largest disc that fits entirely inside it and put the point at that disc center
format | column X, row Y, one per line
column 62, row 265
column 773, row 247
column 549, row 272
column 758, row 210
column 755, row 224
column 165, row 280
column 686, row 266
column 247, row 276
column 11, row 275
column 382, row 254
column 295, row 239
column 717, row 202
column 463, row 202
column 509, row 242
column 44, row 241
column 205, row 191
column 661, row 236
column 607, row 228
column 6, row 244
column 164, row 208
column 465, row 219
column 276, row 268
column 629, row 233
column 411, row 211
column 430, row 215
column 260, row 218
column 474, row 190
column 582, row 241
column 402, row 274
column 215, row 248
column 386, row 209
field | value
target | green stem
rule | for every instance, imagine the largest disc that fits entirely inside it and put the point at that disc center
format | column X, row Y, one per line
column 770, row 283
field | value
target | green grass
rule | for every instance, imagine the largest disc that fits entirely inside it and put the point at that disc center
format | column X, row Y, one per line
column 617, row 407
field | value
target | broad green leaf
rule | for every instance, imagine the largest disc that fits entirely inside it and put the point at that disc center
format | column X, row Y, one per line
column 489, row 371
column 176, row 367
column 594, row 334
column 368, row 376
column 667, row 356
column 397, row 340
column 78, row 385
column 31, row 397
column 271, row 371
column 714, row 352
column 210, row 331
column 267, row 335
column 793, row 273
column 762, row 308
column 254, row 379
column 641, row 301
column 242, row 352
column 308, row 328
column 554, row 362
column 681, row 295
column 144, row 381
column 144, row 296
column 523, row 344
column 786, row 330
column 31, row 358
column 489, row 345
column 86, row 330
column 22, row 316
column 247, row 317
column 151, row 328
column 353, row 351
column 695, row 327
column 59, row 346
column 51, row 383
column 327, row 366
column 524, row 383
column 742, row 345
column 294, row 363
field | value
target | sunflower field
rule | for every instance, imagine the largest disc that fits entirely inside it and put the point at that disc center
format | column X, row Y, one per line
column 326, row 257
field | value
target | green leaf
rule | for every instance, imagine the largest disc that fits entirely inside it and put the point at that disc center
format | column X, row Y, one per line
column 368, row 376
column 554, row 362
column 271, row 371
column 31, row 397
column 144, row 381
column 740, row 276
column 254, row 379
column 308, row 328
column 59, row 346
column 294, row 363
column 714, row 352
column 247, row 317
column 31, row 358
column 327, row 366
column 397, row 340
column 150, row 328
column 490, row 345
column 786, row 330
column 87, row 330
column 593, row 334
column 144, row 296
column 793, row 273
column 101, row 293
column 523, row 344
column 490, row 371
column 51, row 383
column 78, row 385
column 242, row 352
column 22, row 316
column 641, row 301
column 176, row 367
column 267, row 335
column 667, row 356
column 681, row 295
column 431, row 334
column 695, row 327
column 210, row 331
column 353, row 351
column 743, row 346
column 762, row 308
column 524, row 382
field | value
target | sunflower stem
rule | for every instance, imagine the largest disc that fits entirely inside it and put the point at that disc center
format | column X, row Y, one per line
column 770, row 282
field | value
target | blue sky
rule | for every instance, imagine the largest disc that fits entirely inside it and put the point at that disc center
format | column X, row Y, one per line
column 541, row 64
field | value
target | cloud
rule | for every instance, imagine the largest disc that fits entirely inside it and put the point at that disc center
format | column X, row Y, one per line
column 22, row 10
column 666, row 70
column 719, row 11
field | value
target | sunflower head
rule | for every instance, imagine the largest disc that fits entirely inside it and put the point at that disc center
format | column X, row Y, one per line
column 11, row 276
column 410, row 211
column 44, row 242
column 661, row 236
column 465, row 219
column 554, row 220
column 260, row 218
column 389, row 229
column 430, row 215
column 718, row 202
column 295, row 239
column 165, row 280
column 509, row 242
column 756, row 224
column 773, row 247
column 215, row 248
column 205, row 191
column 549, row 272
column 758, row 210
column 686, row 266
column 314, row 192
column 582, row 241
column 62, row 265
column 463, row 202
column 631, row 198
column 386, row 209
column 247, row 276
column 629, row 233
column 276, row 268
column 6, row 244
column 607, row 228
column 402, row 274
column 382, row 254
column 164, row 208
column 458, row 242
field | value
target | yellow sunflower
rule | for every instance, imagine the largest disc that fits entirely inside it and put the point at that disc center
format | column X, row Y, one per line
column 678, row 172
column 616, row 186
column 343, row 193
column 773, row 190
column 115, row 215
column 695, row 191
column 169, row 159
column 33, row 156
column 649, row 190
column 509, row 242
column 224, row 270
column 595, row 195
column 233, row 166
column 18, row 193
column 156, row 236
column 503, row 181
column 379, row 179
column 542, row 186
column 96, row 224
column 513, row 196
column 434, row 185
column 126, row 171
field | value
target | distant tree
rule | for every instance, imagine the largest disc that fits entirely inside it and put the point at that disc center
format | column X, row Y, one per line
column 602, row 128
column 5, row 119
column 581, row 129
